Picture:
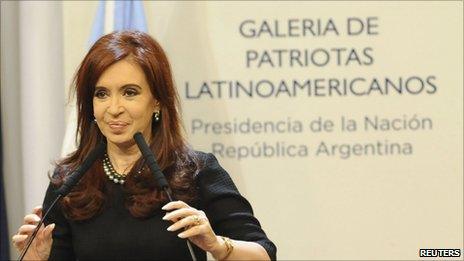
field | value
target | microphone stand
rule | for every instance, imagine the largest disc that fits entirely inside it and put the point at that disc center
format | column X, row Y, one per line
column 36, row 230
column 65, row 188
column 189, row 245
column 158, row 175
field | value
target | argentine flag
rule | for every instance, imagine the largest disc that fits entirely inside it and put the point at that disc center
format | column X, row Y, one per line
column 111, row 16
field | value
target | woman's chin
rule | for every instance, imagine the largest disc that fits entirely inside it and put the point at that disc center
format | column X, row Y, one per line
column 121, row 139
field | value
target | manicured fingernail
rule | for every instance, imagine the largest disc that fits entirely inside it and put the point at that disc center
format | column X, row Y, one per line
column 52, row 226
column 164, row 207
column 169, row 228
column 37, row 219
column 165, row 217
column 181, row 235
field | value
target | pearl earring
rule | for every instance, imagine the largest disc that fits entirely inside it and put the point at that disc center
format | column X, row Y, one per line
column 156, row 116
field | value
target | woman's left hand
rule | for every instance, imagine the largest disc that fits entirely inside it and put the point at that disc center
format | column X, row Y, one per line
column 193, row 223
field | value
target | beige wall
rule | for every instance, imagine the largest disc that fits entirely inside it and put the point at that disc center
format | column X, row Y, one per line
column 320, row 206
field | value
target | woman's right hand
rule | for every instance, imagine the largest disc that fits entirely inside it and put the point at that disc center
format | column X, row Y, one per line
column 42, row 244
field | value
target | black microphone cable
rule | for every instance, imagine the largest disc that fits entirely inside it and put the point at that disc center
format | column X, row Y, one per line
column 69, row 183
column 159, row 176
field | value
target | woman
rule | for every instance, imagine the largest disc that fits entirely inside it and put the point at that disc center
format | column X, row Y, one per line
column 124, row 85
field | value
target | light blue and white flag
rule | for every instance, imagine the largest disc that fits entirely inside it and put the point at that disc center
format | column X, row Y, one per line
column 117, row 16
column 111, row 16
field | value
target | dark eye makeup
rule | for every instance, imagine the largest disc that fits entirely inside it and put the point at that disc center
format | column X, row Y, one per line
column 128, row 90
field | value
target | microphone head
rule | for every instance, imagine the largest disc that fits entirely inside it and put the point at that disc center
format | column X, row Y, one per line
column 150, row 161
column 93, row 155
column 138, row 135
column 141, row 143
column 77, row 174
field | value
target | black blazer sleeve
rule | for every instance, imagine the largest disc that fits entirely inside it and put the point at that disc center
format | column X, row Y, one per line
column 229, row 213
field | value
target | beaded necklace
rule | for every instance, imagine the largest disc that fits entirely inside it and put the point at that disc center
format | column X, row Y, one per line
column 112, row 174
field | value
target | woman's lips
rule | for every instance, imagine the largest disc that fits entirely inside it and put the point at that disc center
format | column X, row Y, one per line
column 117, row 127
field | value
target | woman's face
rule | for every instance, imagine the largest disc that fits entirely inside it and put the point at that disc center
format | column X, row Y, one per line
column 123, row 103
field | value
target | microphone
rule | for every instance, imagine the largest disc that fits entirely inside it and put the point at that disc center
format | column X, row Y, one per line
column 159, row 176
column 77, row 174
column 70, row 182
column 150, row 160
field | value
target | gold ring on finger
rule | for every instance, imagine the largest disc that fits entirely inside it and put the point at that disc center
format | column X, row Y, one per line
column 196, row 220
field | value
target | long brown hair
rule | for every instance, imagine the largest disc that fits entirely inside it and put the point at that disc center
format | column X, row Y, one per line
column 173, row 155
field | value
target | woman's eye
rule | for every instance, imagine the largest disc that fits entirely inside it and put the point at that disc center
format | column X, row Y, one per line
column 100, row 94
column 130, row 92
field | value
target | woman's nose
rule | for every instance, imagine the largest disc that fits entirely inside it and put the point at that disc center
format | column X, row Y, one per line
column 115, row 106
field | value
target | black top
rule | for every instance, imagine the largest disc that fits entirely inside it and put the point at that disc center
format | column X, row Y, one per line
column 115, row 234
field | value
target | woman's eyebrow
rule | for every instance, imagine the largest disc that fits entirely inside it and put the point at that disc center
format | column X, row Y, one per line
column 131, row 85
column 122, row 87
